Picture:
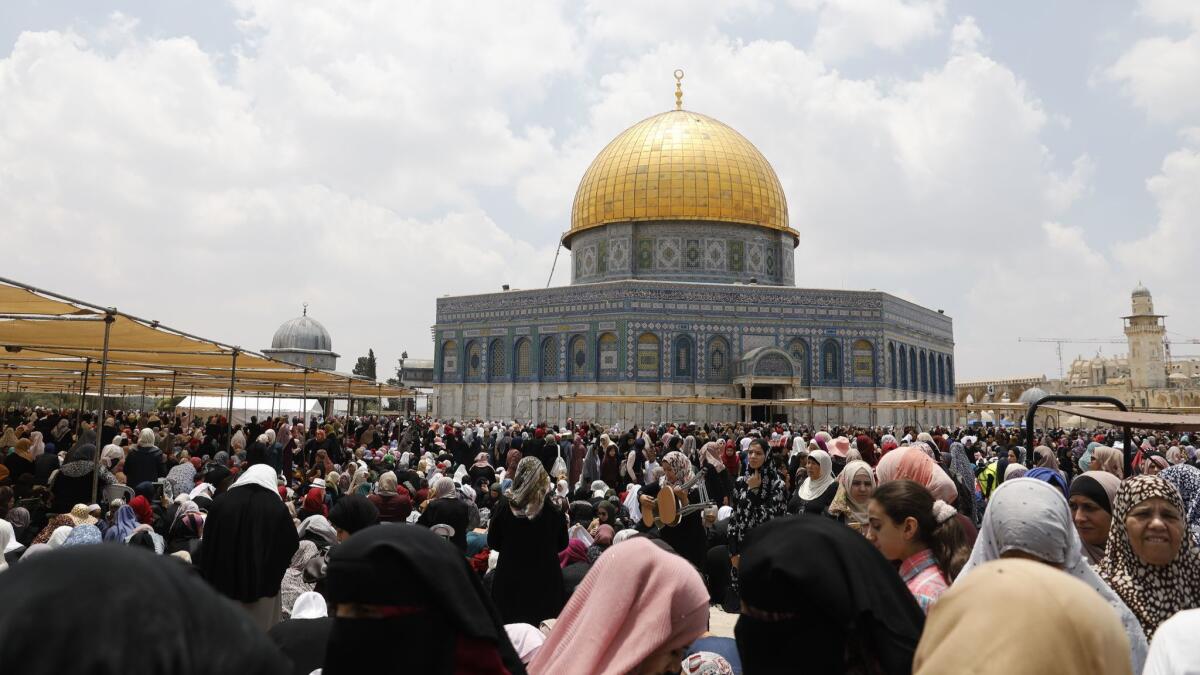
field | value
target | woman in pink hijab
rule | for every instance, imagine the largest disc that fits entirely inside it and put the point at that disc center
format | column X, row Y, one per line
column 635, row 612
column 911, row 463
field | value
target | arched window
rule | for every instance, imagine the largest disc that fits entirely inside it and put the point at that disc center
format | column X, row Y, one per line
column 941, row 378
column 924, row 382
column 831, row 363
column 891, row 357
column 607, row 351
column 474, row 359
column 718, row 360
column 549, row 358
column 683, row 356
column 903, row 368
column 496, row 360
column 932, row 374
column 950, row 374
column 912, row 369
column 449, row 358
column 798, row 350
column 862, row 354
column 647, row 356
column 524, row 361
column 577, row 357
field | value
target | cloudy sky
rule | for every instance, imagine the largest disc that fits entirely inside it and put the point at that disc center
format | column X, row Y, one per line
column 1021, row 165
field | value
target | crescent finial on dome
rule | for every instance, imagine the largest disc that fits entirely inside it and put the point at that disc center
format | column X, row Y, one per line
column 678, row 88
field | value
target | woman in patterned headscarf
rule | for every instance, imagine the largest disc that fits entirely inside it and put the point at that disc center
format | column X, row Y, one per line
column 1186, row 479
column 1150, row 561
column 528, row 531
column 688, row 537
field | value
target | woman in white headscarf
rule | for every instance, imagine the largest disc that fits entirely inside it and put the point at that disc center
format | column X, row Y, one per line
column 817, row 491
column 856, row 482
column 1029, row 518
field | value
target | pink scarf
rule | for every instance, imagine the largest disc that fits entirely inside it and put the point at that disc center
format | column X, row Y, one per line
column 910, row 463
column 660, row 596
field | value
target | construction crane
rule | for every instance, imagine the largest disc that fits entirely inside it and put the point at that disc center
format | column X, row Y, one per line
column 1059, row 342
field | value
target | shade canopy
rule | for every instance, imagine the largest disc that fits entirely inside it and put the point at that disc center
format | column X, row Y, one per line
column 1135, row 420
column 53, row 343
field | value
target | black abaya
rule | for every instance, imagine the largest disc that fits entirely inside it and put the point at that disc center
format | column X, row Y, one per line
column 154, row 618
column 248, row 543
column 528, row 586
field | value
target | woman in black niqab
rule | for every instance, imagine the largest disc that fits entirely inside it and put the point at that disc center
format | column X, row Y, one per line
column 160, row 619
column 818, row 578
column 408, row 588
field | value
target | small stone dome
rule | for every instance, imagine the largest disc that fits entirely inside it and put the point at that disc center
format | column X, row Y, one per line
column 1141, row 291
column 1032, row 395
column 302, row 332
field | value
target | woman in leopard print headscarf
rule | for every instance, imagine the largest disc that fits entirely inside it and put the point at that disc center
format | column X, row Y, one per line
column 1150, row 560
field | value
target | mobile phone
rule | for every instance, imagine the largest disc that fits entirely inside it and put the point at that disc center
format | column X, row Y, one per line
column 158, row 491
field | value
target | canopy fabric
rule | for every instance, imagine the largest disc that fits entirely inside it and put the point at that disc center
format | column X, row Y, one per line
column 244, row 407
column 45, row 352
column 1134, row 419
column 16, row 300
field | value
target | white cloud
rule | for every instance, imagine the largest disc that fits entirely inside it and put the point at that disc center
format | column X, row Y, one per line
column 345, row 155
column 966, row 36
column 1161, row 74
column 849, row 27
column 1163, row 254
column 339, row 164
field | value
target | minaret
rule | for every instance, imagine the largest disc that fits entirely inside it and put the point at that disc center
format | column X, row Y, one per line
column 1145, row 331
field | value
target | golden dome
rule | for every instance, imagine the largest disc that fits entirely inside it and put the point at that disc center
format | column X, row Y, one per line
column 679, row 165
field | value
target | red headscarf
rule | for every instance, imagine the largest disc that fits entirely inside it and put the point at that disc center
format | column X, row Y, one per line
column 314, row 501
column 732, row 464
column 866, row 448
column 141, row 508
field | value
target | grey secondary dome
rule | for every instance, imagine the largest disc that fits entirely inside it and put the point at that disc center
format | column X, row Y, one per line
column 1032, row 395
column 302, row 332
column 304, row 342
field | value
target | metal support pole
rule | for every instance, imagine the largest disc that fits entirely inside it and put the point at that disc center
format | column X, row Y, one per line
column 232, row 379
column 142, row 405
column 174, row 374
column 274, row 394
column 109, row 318
column 82, row 395
column 192, row 406
column 304, row 402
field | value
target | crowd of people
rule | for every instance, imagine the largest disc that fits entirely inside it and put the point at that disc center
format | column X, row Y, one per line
column 154, row 542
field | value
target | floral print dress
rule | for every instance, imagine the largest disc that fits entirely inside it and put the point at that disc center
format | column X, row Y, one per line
column 753, row 507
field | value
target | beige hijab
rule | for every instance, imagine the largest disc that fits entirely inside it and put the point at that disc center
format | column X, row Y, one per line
column 1040, row 620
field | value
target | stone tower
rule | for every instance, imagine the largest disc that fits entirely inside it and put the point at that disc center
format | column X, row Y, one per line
column 1145, row 331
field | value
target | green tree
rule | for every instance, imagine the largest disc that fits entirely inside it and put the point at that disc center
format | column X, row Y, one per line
column 365, row 366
